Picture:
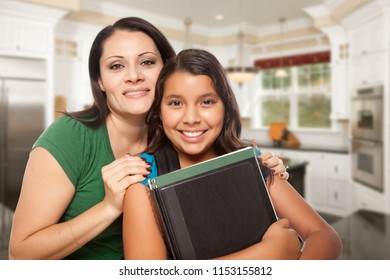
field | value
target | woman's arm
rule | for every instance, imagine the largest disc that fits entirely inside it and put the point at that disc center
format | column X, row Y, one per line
column 45, row 195
column 320, row 240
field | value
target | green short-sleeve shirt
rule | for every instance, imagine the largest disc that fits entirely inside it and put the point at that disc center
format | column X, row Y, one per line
column 82, row 152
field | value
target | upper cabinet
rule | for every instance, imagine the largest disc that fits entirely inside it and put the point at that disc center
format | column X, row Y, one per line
column 24, row 37
column 27, row 29
column 369, row 46
column 369, row 37
column 27, row 34
column 368, row 68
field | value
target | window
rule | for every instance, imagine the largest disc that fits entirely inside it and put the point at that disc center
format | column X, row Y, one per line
column 301, row 99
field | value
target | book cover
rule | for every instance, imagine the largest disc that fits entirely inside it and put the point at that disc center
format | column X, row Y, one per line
column 215, row 207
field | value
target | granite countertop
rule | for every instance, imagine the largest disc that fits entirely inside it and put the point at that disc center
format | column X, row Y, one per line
column 307, row 148
column 365, row 235
column 293, row 163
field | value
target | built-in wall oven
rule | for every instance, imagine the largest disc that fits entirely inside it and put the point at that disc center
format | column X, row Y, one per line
column 367, row 136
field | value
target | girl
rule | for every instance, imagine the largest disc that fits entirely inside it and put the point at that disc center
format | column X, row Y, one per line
column 195, row 111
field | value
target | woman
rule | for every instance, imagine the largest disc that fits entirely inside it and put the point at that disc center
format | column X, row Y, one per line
column 71, row 199
column 79, row 167
column 195, row 111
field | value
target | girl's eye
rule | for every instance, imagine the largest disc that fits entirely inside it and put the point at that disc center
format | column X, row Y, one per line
column 174, row 103
column 208, row 102
column 116, row 66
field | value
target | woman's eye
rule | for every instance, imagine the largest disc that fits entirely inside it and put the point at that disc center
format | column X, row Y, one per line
column 116, row 66
column 147, row 62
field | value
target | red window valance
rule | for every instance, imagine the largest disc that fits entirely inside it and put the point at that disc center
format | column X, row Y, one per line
column 294, row 60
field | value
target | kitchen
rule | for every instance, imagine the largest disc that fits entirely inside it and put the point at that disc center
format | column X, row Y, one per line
column 52, row 42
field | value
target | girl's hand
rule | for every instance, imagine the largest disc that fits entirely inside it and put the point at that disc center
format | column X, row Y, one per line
column 283, row 240
column 119, row 175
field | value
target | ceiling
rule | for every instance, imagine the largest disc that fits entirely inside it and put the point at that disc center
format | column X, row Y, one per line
column 202, row 12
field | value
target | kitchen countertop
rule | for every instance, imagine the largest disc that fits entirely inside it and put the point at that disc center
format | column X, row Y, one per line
column 365, row 235
column 307, row 148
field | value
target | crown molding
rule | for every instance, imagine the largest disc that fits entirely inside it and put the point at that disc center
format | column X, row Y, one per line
column 31, row 11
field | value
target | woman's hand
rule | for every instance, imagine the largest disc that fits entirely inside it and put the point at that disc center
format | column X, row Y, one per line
column 119, row 175
column 282, row 240
column 275, row 164
column 271, row 161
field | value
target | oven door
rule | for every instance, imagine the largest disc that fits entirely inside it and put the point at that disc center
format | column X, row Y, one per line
column 367, row 118
column 367, row 163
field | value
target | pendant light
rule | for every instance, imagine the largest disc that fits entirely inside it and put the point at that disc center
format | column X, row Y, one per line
column 241, row 72
column 187, row 41
column 281, row 73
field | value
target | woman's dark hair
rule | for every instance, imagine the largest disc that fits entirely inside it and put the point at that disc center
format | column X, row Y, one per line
column 95, row 115
column 197, row 62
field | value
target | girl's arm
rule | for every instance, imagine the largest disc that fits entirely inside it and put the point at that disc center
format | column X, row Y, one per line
column 279, row 242
column 46, row 193
column 320, row 240
column 142, row 239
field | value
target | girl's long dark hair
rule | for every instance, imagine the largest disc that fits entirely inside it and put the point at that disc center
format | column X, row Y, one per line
column 95, row 115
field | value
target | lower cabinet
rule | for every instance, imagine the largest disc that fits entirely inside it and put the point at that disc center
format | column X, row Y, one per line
column 327, row 179
column 330, row 184
column 368, row 199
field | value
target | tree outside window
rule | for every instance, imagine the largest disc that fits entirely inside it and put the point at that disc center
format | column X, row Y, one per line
column 302, row 99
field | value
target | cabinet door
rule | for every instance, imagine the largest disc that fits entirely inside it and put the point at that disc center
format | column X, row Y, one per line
column 6, row 33
column 318, row 180
column 336, row 194
column 23, row 37
column 365, row 198
column 338, row 167
column 369, row 69
column 340, row 96
column 31, row 37
column 369, row 37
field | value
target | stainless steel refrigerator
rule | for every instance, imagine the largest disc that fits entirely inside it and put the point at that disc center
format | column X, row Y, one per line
column 22, row 120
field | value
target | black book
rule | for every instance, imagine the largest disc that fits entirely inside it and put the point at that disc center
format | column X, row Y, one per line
column 213, row 208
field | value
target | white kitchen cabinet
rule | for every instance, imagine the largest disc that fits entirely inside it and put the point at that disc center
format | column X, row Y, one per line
column 369, row 45
column 337, row 194
column 316, row 189
column 369, row 41
column 369, row 37
column 327, row 179
column 340, row 95
column 22, row 37
column 329, row 187
column 366, row 198
column 368, row 69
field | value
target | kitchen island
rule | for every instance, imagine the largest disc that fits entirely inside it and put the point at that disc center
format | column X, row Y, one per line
column 365, row 235
column 296, row 169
